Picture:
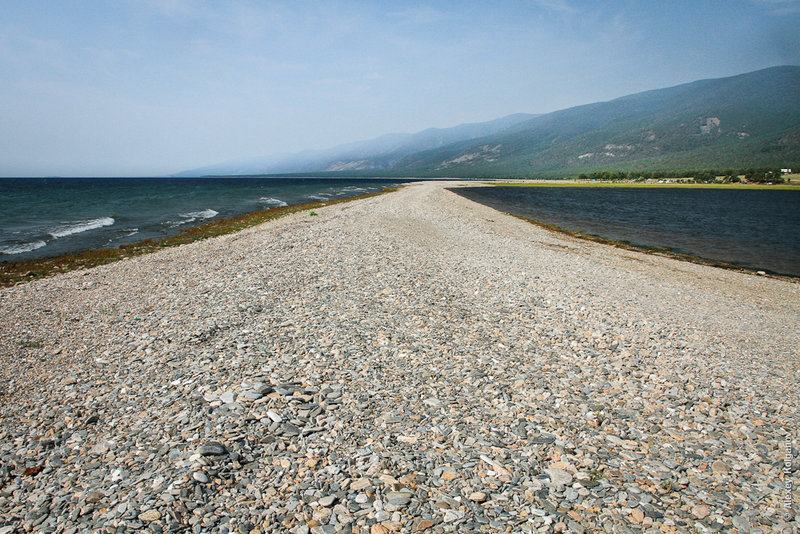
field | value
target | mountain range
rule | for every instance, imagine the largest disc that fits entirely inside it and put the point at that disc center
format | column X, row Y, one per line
column 381, row 153
column 749, row 120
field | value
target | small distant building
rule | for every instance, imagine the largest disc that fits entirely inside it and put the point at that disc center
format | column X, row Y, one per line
column 786, row 171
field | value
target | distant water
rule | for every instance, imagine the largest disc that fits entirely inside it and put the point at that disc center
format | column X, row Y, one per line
column 758, row 229
column 41, row 217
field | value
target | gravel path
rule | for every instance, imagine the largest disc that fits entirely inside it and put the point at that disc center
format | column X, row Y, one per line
column 413, row 362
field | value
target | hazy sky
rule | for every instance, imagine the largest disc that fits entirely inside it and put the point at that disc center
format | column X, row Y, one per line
column 153, row 87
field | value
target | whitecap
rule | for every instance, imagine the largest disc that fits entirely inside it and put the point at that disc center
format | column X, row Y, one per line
column 191, row 217
column 204, row 214
column 319, row 197
column 22, row 247
column 80, row 227
column 269, row 201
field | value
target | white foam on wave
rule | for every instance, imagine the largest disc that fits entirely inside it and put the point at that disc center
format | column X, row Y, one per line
column 204, row 214
column 22, row 247
column 192, row 216
column 80, row 227
column 319, row 197
column 269, row 201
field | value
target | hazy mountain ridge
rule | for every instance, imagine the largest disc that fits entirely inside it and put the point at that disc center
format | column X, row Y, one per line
column 379, row 153
column 749, row 120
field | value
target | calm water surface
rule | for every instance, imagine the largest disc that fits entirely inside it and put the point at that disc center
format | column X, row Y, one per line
column 758, row 229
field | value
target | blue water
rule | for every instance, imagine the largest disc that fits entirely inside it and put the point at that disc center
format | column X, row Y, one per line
column 43, row 217
column 757, row 229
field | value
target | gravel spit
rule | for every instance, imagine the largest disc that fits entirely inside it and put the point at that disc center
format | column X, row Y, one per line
column 413, row 362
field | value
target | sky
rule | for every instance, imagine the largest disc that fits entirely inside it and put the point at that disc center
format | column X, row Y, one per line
column 155, row 87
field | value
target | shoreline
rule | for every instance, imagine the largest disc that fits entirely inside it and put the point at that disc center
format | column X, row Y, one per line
column 660, row 251
column 409, row 362
column 15, row 272
column 654, row 249
column 21, row 271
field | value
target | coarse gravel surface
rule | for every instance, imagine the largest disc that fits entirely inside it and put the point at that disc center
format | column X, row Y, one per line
column 412, row 362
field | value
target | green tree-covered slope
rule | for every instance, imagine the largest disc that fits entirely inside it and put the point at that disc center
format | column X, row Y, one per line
column 747, row 120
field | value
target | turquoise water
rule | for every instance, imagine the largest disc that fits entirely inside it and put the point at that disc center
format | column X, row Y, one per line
column 42, row 217
column 757, row 229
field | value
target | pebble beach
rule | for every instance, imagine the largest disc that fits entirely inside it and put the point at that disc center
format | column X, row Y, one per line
column 412, row 362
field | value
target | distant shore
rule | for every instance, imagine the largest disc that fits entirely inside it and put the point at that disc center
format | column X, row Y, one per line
column 792, row 185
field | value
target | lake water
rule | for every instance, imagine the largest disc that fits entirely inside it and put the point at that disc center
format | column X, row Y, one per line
column 42, row 217
column 757, row 229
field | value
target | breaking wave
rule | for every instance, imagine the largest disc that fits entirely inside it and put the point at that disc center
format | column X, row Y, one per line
column 80, row 227
column 22, row 247
column 204, row 214
column 274, row 202
column 193, row 216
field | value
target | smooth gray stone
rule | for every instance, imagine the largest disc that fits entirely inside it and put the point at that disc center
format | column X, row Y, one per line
column 212, row 448
column 327, row 501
